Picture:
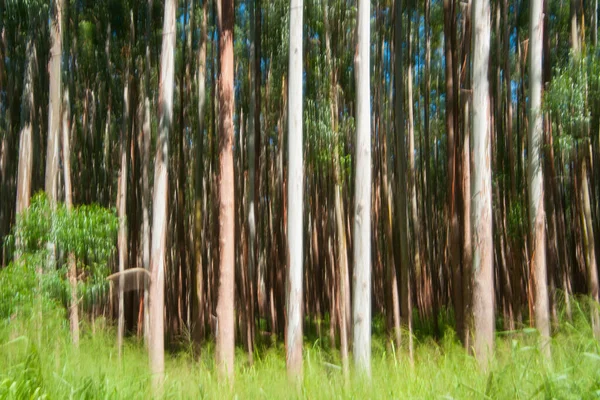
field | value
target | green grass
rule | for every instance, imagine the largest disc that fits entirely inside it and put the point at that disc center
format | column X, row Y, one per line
column 37, row 361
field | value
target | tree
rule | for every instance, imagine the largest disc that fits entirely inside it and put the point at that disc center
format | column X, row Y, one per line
column 122, row 194
column 26, row 135
column 481, row 188
column 537, row 216
column 55, row 78
column 362, row 203
column 159, row 211
column 225, row 303
column 294, row 336
column 401, row 197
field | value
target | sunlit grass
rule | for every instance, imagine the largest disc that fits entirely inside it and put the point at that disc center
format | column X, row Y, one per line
column 46, row 365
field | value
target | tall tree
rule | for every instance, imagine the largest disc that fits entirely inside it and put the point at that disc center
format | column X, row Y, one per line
column 122, row 193
column 294, row 336
column 362, row 201
column 225, row 300
column 481, row 188
column 25, row 169
column 72, row 264
column 55, row 78
column 161, row 190
column 401, row 197
column 537, row 216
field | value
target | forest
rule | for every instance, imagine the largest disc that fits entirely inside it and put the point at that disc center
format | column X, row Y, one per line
column 380, row 199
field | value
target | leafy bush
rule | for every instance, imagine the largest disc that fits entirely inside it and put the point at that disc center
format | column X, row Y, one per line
column 87, row 231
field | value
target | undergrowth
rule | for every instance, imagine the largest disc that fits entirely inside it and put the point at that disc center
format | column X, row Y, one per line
column 38, row 361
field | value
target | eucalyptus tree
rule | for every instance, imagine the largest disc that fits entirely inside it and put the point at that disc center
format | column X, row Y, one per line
column 537, row 216
column 295, row 235
column 362, row 203
column 55, row 78
column 160, row 211
column 25, row 169
column 226, row 295
column 481, row 188
column 401, row 196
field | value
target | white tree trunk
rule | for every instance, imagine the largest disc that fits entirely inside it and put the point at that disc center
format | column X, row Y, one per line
column 362, row 204
column 537, row 216
column 26, row 138
column 55, row 78
column 481, row 188
column 294, row 336
column 159, row 211
column 225, row 346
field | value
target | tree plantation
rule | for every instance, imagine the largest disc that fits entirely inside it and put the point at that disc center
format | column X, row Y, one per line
column 381, row 199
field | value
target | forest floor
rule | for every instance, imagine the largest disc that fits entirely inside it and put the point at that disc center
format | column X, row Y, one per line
column 39, row 361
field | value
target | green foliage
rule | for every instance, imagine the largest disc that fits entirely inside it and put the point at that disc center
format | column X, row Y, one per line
column 87, row 231
column 570, row 98
column 516, row 220
column 566, row 97
column 53, row 369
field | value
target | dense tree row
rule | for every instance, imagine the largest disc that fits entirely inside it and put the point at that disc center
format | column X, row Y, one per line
column 314, row 164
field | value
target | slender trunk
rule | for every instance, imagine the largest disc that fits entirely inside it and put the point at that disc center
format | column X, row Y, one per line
column 251, row 205
column 225, row 305
column 537, row 215
column 199, row 178
column 453, row 237
column 161, row 190
column 412, row 180
column 55, row 78
column 481, row 189
column 145, row 156
column 401, row 191
column 294, row 337
column 362, row 203
column 344, row 282
column 72, row 272
column 589, row 244
column 122, row 198
column 25, row 170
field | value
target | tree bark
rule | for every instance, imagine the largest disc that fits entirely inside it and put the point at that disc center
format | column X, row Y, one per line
column 587, row 228
column 55, row 78
column 362, row 203
column 295, row 183
column 161, row 190
column 537, row 215
column 225, row 303
column 72, row 265
column 481, row 188
column 122, row 196
column 145, row 146
column 25, row 170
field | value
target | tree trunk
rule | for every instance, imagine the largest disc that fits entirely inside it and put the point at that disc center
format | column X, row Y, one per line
column 362, row 200
column 199, row 179
column 122, row 197
column 225, row 305
column 481, row 189
column 145, row 146
column 453, row 238
column 25, row 170
column 72, row 272
column 537, row 215
column 161, row 190
column 401, row 192
column 295, row 183
column 589, row 243
column 55, row 78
